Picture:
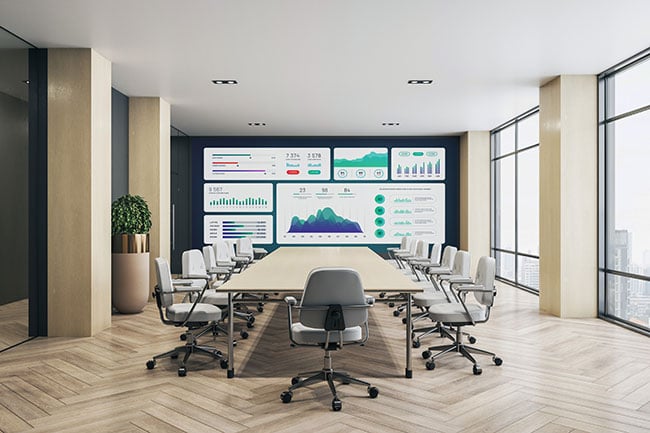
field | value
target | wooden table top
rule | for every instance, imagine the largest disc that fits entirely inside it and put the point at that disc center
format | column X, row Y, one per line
column 286, row 270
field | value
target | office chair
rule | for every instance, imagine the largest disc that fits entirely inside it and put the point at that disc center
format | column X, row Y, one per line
column 438, row 295
column 404, row 247
column 220, row 273
column 193, row 316
column 333, row 313
column 421, row 253
column 194, row 269
column 462, row 313
column 433, row 260
column 245, row 248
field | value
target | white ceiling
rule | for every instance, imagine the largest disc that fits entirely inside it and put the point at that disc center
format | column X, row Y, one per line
column 339, row 67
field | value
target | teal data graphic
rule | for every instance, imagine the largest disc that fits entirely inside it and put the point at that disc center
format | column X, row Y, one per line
column 360, row 164
column 359, row 213
column 238, row 197
column 233, row 227
column 325, row 221
column 418, row 163
column 262, row 164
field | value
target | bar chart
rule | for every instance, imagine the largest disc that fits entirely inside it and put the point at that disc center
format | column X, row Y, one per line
column 418, row 164
column 238, row 197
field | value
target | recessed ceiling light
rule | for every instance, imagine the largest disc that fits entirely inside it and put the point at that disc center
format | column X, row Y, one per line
column 256, row 124
column 224, row 81
column 26, row 81
column 390, row 124
column 420, row 81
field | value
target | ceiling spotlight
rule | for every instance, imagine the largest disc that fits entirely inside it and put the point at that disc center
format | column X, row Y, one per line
column 224, row 81
column 256, row 124
column 25, row 81
column 390, row 124
column 420, row 81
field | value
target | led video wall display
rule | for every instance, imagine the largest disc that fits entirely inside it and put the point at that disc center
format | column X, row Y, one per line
column 354, row 213
column 325, row 191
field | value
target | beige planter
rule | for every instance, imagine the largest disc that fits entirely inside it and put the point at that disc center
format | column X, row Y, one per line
column 130, row 273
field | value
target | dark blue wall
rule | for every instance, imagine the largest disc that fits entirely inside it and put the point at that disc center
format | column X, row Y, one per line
column 452, row 181
column 119, row 144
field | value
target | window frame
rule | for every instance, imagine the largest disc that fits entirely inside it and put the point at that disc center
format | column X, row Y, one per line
column 494, row 230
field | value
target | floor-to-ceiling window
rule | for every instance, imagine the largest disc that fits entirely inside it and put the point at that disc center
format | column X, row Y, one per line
column 624, row 131
column 515, row 200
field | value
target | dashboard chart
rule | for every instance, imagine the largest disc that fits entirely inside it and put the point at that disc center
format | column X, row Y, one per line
column 360, row 163
column 225, row 164
column 237, row 197
column 232, row 227
column 417, row 164
column 359, row 213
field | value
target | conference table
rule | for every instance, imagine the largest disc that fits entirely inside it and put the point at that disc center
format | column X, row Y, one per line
column 285, row 270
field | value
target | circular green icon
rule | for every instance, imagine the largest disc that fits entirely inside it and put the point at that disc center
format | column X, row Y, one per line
column 379, row 210
column 379, row 221
column 379, row 198
column 380, row 233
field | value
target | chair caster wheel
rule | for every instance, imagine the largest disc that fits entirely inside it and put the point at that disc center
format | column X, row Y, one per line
column 472, row 340
column 497, row 360
column 430, row 365
column 403, row 320
column 476, row 370
column 260, row 309
column 182, row 371
column 243, row 334
column 249, row 324
column 217, row 353
column 373, row 392
column 336, row 405
column 174, row 356
column 224, row 364
column 382, row 295
column 426, row 354
column 286, row 396
column 151, row 364
column 295, row 380
column 183, row 337
column 416, row 344
column 396, row 313
column 391, row 304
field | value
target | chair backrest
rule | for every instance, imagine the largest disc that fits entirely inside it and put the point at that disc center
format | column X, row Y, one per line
column 221, row 251
column 404, row 243
column 164, row 276
column 422, row 249
column 448, row 256
column 485, row 272
column 462, row 264
column 231, row 249
column 245, row 247
column 434, row 255
column 413, row 246
column 209, row 258
column 193, row 263
column 333, row 286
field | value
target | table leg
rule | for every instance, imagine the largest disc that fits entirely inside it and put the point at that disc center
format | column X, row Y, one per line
column 231, row 336
column 409, row 338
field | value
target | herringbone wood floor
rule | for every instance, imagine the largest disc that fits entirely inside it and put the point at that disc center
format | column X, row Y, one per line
column 558, row 376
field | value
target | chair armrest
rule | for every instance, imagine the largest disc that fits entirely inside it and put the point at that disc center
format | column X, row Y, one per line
column 472, row 288
column 290, row 300
column 456, row 279
column 197, row 276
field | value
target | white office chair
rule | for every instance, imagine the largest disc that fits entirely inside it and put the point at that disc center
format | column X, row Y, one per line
column 333, row 313
column 193, row 316
column 245, row 248
column 462, row 313
column 433, row 260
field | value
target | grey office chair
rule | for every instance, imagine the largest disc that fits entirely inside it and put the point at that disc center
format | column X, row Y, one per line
column 193, row 316
column 439, row 295
column 462, row 313
column 333, row 313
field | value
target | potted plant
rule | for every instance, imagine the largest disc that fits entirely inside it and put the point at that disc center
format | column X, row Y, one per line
column 131, row 221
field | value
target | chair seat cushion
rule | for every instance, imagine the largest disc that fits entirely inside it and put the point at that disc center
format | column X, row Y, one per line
column 202, row 312
column 427, row 299
column 213, row 297
column 305, row 335
column 455, row 313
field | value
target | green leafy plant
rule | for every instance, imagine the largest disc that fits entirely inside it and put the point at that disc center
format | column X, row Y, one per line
column 130, row 215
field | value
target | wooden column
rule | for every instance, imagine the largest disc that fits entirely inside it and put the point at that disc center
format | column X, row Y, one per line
column 149, row 169
column 568, row 196
column 79, row 192
column 475, row 194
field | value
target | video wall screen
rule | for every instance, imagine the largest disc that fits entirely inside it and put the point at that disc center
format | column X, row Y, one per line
column 324, row 194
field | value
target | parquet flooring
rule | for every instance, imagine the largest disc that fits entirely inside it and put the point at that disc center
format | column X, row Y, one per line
column 558, row 376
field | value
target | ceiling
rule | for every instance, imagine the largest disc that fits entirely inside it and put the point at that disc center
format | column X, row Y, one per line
column 339, row 67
